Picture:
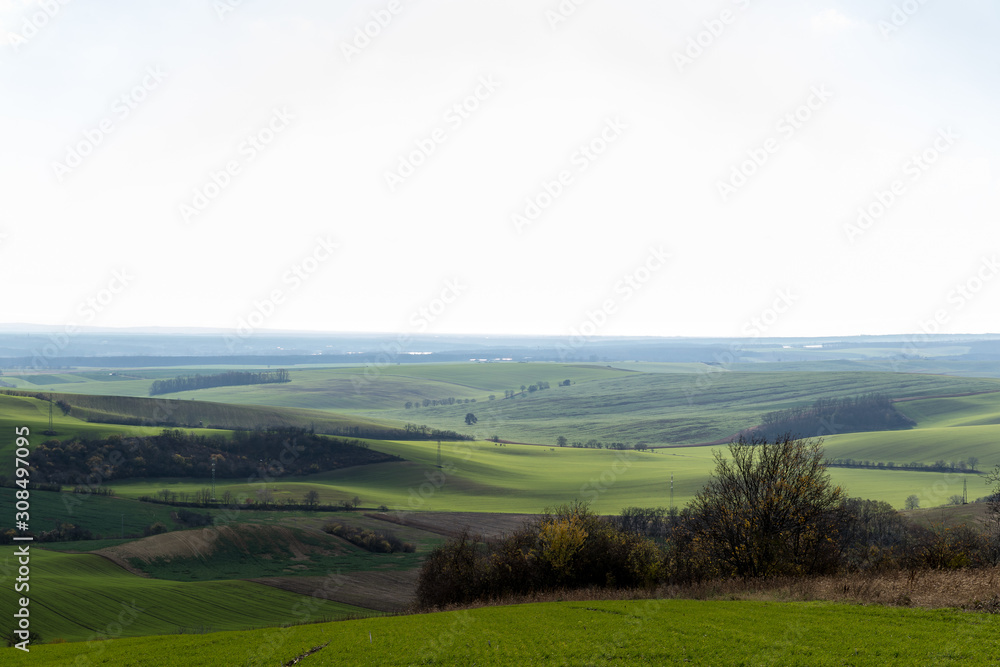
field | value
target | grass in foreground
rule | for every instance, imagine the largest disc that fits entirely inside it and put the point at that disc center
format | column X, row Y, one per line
column 659, row 632
column 82, row 597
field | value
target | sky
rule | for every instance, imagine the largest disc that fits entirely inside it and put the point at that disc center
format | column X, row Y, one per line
column 729, row 168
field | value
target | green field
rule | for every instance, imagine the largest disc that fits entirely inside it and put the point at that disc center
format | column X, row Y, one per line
column 242, row 551
column 102, row 515
column 350, row 388
column 653, row 632
column 672, row 409
column 482, row 477
column 80, row 597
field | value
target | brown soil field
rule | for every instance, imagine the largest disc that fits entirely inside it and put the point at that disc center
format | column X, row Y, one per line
column 388, row 591
column 452, row 524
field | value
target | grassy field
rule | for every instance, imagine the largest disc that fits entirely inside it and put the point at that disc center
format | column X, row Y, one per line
column 250, row 551
column 101, row 515
column 671, row 409
column 483, row 477
column 920, row 444
column 656, row 632
column 18, row 411
column 666, row 404
column 349, row 388
column 80, row 597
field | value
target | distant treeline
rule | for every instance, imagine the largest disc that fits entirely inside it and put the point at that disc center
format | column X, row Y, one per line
column 173, row 413
column 967, row 466
column 434, row 402
column 227, row 379
column 827, row 416
column 172, row 453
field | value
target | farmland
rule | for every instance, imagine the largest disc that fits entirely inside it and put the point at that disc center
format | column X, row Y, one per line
column 81, row 597
column 674, row 408
column 599, row 632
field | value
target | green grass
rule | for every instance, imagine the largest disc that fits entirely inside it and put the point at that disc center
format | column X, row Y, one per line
column 957, row 411
column 349, row 388
column 204, row 413
column 101, row 515
column 590, row 633
column 666, row 408
column 79, row 597
column 483, row 477
column 923, row 445
column 18, row 411
column 84, row 546
column 256, row 554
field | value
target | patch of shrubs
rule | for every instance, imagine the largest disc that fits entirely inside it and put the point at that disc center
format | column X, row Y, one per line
column 156, row 528
column 570, row 547
column 190, row 519
column 769, row 510
column 376, row 541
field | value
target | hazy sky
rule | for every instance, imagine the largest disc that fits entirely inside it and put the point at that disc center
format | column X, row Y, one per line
column 507, row 166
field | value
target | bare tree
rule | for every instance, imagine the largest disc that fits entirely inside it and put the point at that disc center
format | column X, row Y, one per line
column 769, row 509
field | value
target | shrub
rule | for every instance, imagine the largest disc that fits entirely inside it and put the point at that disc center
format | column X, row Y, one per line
column 769, row 509
column 376, row 541
column 569, row 547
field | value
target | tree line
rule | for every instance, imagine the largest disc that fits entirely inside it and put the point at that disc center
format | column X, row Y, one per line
column 434, row 402
column 968, row 465
column 227, row 379
column 826, row 416
column 92, row 461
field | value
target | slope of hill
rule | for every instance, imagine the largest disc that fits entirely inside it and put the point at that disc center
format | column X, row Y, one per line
column 80, row 597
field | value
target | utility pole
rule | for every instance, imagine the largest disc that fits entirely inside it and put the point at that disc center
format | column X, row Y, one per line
column 965, row 490
column 213, row 480
column 439, row 454
column 671, row 493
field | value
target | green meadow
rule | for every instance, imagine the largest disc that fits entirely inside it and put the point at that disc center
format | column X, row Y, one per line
column 641, row 632
column 484, row 477
column 106, row 516
column 81, row 597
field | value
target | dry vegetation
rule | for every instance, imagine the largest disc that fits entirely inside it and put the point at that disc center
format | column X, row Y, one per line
column 973, row 590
